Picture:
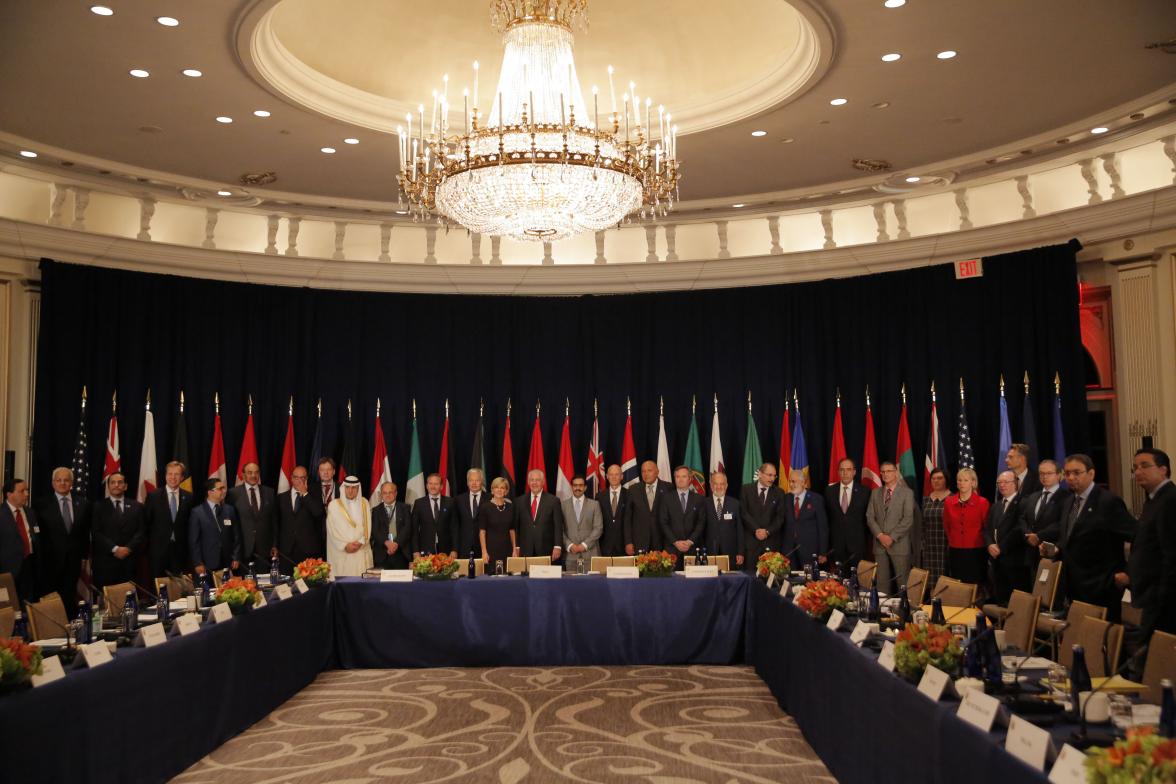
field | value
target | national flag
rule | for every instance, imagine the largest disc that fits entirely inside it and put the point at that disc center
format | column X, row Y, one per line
column 535, row 460
column 716, row 446
column 508, row 461
column 148, row 465
column 316, row 444
column 966, row 458
column 81, row 463
column 1029, row 427
column 693, row 459
column 800, row 451
column 289, row 455
column 904, row 450
column 565, row 470
column 936, row 456
column 1006, row 435
column 381, row 469
column 752, row 456
column 478, row 455
column 216, row 456
column 594, row 472
column 871, row 477
column 445, row 461
column 113, row 464
column 414, row 488
column 180, row 448
column 1059, row 437
column 785, row 447
column 664, row 469
column 348, row 463
column 837, row 451
column 629, row 473
column 248, row 448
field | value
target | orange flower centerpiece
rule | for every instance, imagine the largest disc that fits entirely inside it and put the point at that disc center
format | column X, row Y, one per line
column 656, row 563
column 1144, row 756
column 920, row 644
column 434, row 567
column 821, row 598
column 239, row 593
column 775, row 563
column 19, row 662
column 314, row 571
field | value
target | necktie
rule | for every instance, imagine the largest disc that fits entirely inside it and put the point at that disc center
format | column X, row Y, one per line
column 650, row 495
column 534, row 506
column 844, row 499
column 436, row 509
column 253, row 500
column 796, row 507
column 67, row 513
column 294, row 498
column 1075, row 510
column 683, row 497
column 614, row 503
column 216, row 513
column 579, row 508
column 889, row 495
column 173, row 504
column 1042, row 502
column 763, row 496
column 1007, row 501
column 391, row 512
column 328, row 491
column 25, row 543
column 719, row 508
column 1018, row 482
column 473, row 505
column 118, row 507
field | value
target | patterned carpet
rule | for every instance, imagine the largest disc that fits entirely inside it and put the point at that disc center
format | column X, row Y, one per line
column 511, row 724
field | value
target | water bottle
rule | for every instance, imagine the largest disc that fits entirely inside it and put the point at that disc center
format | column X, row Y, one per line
column 973, row 662
column 85, row 628
column 226, row 575
column 1079, row 676
column 20, row 627
column 275, row 574
column 129, row 615
column 580, row 563
column 937, row 611
column 904, row 606
column 704, row 559
column 837, row 568
column 854, row 585
column 472, row 572
column 252, row 572
column 164, row 612
column 206, row 590
column 1167, row 709
column 814, row 568
column 95, row 616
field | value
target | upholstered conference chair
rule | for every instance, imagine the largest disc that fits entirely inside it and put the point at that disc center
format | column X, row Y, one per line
column 7, row 621
column 1160, row 664
column 954, row 593
column 47, row 618
column 8, row 596
column 1021, row 619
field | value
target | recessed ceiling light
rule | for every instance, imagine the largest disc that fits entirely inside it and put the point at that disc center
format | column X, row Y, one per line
column 737, row 206
column 839, row 102
column 882, row 104
column 168, row 21
column 894, row 3
column 139, row 73
column 759, row 133
column 351, row 141
column 261, row 113
column 192, row 72
column 101, row 10
column 946, row 54
column 28, row 154
column 225, row 120
column 787, row 140
column 327, row 150
column 224, row 193
column 1099, row 129
column 913, row 179
column 890, row 58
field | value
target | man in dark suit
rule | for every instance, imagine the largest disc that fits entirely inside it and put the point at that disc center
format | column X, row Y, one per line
column 614, row 506
column 845, row 504
column 761, row 503
column 167, row 523
column 806, row 527
column 724, row 528
column 642, row 531
column 20, row 544
column 1152, row 567
column 1004, row 535
column 64, row 518
column 212, row 531
column 539, row 520
column 467, row 504
column 301, row 522
column 1017, row 460
column 256, row 511
column 327, row 487
column 391, row 538
column 119, row 529
column 682, row 518
column 433, row 521
column 1042, row 511
column 1090, row 545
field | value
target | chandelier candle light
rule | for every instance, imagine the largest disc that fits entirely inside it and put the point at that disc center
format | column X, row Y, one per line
column 540, row 168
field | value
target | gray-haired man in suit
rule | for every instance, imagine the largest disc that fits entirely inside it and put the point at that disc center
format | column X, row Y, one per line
column 891, row 519
column 583, row 525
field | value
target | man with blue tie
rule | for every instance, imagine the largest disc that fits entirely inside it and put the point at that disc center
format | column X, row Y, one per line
column 168, row 509
column 806, row 528
column 583, row 525
column 65, row 539
column 212, row 531
column 682, row 517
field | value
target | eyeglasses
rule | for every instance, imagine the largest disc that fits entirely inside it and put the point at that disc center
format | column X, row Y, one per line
column 1075, row 472
column 1142, row 466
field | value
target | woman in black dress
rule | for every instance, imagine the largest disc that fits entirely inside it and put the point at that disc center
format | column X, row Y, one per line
column 496, row 523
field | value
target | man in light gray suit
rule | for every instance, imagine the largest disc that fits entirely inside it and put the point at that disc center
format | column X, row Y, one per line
column 891, row 519
column 583, row 525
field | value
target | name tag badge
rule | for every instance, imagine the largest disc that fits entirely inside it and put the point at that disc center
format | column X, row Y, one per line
column 283, row 592
column 396, row 576
column 728, row 516
column 301, row 585
column 933, row 682
column 835, row 619
column 1027, row 742
column 979, row 709
column 219, row 613
column 150, row 636
column 886, row 658
column 227, row 522
column 51, row 670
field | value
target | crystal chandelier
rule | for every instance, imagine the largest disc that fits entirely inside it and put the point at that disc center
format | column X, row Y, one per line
column 540, row 168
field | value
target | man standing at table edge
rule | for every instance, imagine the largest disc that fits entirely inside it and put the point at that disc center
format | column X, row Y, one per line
column 212, row 534
column 891, row 517
column 1152, row 567
column 539, row 520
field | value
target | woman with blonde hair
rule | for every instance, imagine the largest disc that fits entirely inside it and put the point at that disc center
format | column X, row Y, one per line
column 496, row 522
column 964, row 515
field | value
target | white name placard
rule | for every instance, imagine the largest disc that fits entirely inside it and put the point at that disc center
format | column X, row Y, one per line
column 150, row 636
column 396, row 576
column 862, row 631
column 1027, row 742
column 933, row 682
column 979, row 709
column 543, row 572
column 623, row 573
column 301, row 585
column 771, row 579
column 283, row 592
column 835, row 619
column 1069, row 767
column 51, row 670
column 186, row 624
column 93, row 655
column 702, row 571
column 3, row 594
column 886, row 657
column 219, row 613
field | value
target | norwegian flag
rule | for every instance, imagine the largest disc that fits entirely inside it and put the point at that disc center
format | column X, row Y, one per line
column 563, row 480
column 595, row 470
column 113, row 461
column 289, row 456
column 629, row 474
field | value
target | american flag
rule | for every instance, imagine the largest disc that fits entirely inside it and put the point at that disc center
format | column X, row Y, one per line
column 967, row 459
column 80, row 464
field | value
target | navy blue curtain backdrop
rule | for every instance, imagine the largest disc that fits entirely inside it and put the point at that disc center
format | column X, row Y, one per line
column 110, row 329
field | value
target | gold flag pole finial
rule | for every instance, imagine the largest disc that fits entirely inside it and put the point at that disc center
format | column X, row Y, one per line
column 216, row 401
column 838, row 391
column 319, row 407
column 148, row 398
column 932, row 391
column 716, row 402
column 290, row 406
column 595, row 408
column 447, row 408
column 693, row 403
column 114, row 402
column 902, row 392
column 749, row 401
column 961, row 387
column 414, row 408
column 1026, row 382
column 867, row 395
column 508, row 406
column 249, row 402
column 628, row 406
column 661, row 405
column 181, row 401
column 377, row 408
column 536, row 408
column 1001, row 384
column 567, row 407
column 348, row 409
column 481, row 407
column 83, row 398
column 795, row 401
column 1057, row 383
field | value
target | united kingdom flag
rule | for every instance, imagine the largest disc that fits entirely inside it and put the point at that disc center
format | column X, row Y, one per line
column 595, row 469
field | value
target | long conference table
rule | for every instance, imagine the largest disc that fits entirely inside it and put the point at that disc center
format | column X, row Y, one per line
column 151, row 713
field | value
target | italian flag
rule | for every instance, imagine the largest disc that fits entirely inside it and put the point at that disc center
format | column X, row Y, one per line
column 415, row 487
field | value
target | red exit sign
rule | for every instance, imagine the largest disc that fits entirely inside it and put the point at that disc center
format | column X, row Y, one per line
column 969, row 268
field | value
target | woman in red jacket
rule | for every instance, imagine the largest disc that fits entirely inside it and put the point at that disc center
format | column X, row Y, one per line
column 964, row 515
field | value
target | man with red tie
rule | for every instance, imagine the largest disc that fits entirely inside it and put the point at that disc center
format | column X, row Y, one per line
column 539, row 520
column 18, row 538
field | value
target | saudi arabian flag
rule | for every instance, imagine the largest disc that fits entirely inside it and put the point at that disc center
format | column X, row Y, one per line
column 752, row 457
column 415, row 487
column 694, row 459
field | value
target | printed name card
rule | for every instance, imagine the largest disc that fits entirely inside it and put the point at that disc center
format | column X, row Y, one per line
column 186, row 624
column 1027, row 742
column 933, row 682
column 553, row 572
column 150, row 636
column 771, row 579
column 283, row 592
column 979, row 709
column 3, row 594
column 1069, row 768
column 1044, row 576
column 396, row 576
column 785, row 589
column 301, row 585
column 886, row 658
column 702, row 571
column 51, row 670
column 861, row 632
column 835, row 619
column 623, row 573
column 93, row 655
column 219, row 613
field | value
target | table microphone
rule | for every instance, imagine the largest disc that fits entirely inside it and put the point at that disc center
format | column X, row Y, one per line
column 1082, row 739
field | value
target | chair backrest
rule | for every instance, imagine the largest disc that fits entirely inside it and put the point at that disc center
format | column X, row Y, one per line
column 8, row 597
column 1160, row 664
column 516, row 564
column 177, row 587
column 721, row 561
column 47, row 617
column 7, row 621
column 1093, row 635
column 600, row 563
column 1022, row 620
column 624, row 560
column 115, row 595
column 1045, row 584
column 866, row 570
column 538, row 560
column 463, row 567
column 954, row 593
column 917, row 585
column 1114, row 646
